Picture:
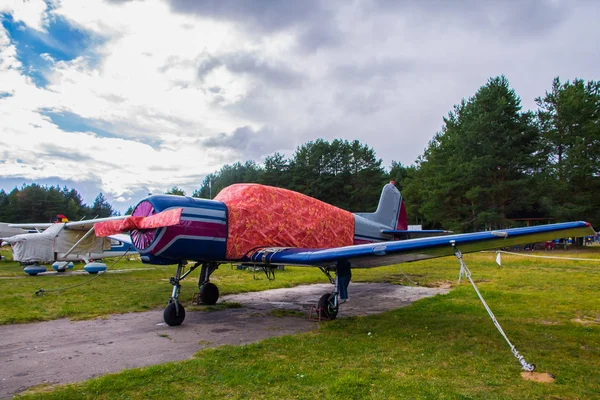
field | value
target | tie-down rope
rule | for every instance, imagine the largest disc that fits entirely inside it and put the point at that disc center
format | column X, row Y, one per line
column 554, row 258
column 464, row 271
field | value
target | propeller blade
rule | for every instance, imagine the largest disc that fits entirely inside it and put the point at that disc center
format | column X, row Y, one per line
column 160, row 220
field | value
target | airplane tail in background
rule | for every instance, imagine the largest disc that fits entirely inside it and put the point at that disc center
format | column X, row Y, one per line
column 391, row 210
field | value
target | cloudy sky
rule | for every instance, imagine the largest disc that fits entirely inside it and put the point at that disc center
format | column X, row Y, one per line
column 130, row 97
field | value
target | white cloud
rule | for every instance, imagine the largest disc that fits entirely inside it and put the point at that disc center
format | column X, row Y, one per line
column 31, row 12
column 164, row 82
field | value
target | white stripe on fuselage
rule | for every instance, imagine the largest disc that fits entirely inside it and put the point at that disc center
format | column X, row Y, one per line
column 200, row 211
column 198, row 219
column 153, row 245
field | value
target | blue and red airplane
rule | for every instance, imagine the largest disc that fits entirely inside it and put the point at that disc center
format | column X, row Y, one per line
column 266, row 226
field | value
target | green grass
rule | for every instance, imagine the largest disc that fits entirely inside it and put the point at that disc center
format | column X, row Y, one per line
column 144, row 289
column 442, row 347
column 134, row 291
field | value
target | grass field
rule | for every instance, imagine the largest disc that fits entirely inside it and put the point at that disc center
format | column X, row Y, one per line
column 441, row 347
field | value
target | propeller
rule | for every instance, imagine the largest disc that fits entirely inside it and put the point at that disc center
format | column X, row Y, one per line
column 159, row 220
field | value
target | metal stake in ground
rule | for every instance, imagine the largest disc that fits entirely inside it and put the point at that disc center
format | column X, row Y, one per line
column 464, row 270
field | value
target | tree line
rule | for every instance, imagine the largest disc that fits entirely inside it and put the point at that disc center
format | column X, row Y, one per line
column 344, row 173
column 36, row 203
column 491, row 165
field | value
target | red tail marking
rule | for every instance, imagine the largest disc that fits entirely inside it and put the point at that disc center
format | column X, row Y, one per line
column 402, row 223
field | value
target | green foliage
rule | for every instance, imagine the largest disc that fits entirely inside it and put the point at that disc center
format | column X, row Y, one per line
column 477, row 171
column 36, row 203
column 276, row 171
column 228, row 175
column 101, row 208
column 176, row 191
column 346, row 174
column 569, row 117
column 490, row 166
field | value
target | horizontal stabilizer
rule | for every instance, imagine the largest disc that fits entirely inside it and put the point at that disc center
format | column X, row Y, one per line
column 160, row 220
column 406, row 234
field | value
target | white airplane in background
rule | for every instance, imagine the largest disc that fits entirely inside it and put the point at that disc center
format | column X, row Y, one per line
column 62, row 242
column 7, row 231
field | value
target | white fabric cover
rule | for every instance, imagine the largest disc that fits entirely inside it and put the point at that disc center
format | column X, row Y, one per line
column 35, row 247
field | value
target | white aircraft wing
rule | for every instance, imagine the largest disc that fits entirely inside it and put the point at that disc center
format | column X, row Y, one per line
column 31, row 226
column 84, row 225
column 121, row 237
column 87, row 224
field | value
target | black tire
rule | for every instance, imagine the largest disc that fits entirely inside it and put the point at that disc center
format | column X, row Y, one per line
column 209, row 294
column 327, row 310
column 170, row 315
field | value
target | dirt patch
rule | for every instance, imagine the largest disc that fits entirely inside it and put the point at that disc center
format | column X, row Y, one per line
column 541, row 377
column 444, row 285
column 586, row 321
column 544, row 322
column 63, row 351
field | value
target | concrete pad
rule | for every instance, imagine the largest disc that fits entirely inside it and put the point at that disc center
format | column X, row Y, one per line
column 63, row 351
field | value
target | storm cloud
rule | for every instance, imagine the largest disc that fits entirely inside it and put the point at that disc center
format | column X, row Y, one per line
column 246, row 141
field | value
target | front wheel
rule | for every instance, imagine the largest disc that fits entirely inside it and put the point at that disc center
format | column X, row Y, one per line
column 174, row 314
column 326, row 307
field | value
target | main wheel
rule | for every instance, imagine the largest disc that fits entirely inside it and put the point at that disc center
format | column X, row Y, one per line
column 171, row 316
column 327, row 309
column 209, row 293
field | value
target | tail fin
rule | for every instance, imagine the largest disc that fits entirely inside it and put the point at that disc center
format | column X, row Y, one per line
column 391, row 211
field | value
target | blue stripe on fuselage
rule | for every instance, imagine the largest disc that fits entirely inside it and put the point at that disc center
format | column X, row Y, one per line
column 188, row 249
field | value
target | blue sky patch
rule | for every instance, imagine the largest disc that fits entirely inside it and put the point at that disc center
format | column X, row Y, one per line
column 62, row 42
column 71, row 122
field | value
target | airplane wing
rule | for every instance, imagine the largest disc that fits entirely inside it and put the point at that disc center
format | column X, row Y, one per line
column 32, row 226
column 83, row 225
column 6, row 231
column 121, row 237
column 394, row 252
column 87, row 224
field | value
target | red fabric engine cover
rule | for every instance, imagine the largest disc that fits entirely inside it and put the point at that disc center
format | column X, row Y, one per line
column 162, row 219
column 264, row 216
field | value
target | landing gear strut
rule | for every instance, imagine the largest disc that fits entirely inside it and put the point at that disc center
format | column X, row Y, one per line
column 329, row 303
column 174, row 313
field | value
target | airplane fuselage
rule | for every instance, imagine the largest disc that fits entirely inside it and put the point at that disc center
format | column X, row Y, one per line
column 205, row 226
